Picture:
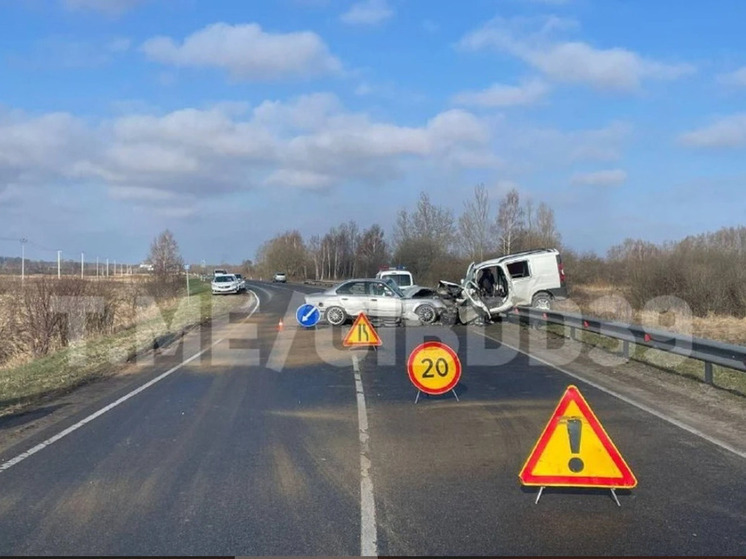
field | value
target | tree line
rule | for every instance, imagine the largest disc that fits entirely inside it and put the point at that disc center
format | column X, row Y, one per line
column 429, row 240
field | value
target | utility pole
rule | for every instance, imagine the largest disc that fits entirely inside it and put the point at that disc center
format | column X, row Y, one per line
column 82, row 264
column 59, row 269
column 23, row 260
column 115, row 267
column 187, row 278
column 107, row 267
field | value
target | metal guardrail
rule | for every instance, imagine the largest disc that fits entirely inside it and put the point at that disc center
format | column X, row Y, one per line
column 708, row 351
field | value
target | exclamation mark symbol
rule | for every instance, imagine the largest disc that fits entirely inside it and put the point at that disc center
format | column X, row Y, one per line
column 574, row 430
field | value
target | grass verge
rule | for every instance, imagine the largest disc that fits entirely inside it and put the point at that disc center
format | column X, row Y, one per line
column 80, row 363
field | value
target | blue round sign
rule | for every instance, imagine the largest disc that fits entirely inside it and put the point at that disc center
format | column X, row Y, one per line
column 308, row 315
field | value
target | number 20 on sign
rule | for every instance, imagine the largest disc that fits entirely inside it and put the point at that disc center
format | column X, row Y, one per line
column 434, row 368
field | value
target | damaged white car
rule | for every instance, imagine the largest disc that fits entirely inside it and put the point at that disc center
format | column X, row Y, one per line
column 378, row 299
column 532, row 278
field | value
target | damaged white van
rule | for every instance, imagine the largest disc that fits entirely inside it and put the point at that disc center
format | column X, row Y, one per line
column 532, row 278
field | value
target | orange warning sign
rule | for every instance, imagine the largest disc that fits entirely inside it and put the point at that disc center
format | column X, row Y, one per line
column 362, row 333
column 574, row 450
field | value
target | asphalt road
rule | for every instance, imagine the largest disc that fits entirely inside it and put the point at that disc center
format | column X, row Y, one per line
column 280, row 443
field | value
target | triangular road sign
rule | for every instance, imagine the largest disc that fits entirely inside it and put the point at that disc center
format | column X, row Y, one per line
column 574, row 450
column 362, row 333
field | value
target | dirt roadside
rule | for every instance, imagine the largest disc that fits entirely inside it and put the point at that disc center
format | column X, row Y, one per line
column 710, row 411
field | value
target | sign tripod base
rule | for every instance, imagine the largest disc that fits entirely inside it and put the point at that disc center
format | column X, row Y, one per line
column 417, row 398
column 613, row 494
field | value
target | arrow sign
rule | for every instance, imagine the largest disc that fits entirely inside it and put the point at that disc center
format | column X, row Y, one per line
column 307, row 315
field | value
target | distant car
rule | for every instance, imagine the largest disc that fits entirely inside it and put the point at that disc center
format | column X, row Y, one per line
column 225, row 284
column 219, row 272
column 376, row 298
column 241, row 282
column 280, row 277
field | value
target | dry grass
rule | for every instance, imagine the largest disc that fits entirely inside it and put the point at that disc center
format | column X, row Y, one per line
column 611, row 303
column 25, row 380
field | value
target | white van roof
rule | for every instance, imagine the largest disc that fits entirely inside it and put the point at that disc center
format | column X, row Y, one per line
column 517, row 256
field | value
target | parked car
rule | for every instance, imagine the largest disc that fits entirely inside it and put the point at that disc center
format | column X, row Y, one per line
column 224, row 284
column 531, row 278
column 279, row 277
column 241, row 282
column 377, row 298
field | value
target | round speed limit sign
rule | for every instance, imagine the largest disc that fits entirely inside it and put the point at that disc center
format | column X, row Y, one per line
column 434, row 368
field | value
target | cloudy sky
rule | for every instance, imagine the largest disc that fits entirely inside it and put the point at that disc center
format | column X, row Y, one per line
column 229, row 121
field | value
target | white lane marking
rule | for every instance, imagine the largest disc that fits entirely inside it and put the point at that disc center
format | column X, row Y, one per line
column 631, row 402
column 41, row 446
column 368, row 534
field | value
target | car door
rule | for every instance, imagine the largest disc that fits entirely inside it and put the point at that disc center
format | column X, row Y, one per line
column 353, row 297
column 382, row 302
column 519, row 273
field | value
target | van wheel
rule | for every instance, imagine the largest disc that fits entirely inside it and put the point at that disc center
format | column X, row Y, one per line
column 542, row 301
column 335, row 316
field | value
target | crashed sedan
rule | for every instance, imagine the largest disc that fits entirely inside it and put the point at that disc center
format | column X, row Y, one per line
column 378, row 299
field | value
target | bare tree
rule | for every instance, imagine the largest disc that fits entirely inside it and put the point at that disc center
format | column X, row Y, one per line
column 423, row 237
column 372, row 250
column 474, row 226
column 165, row 256
column 284, row 253
column 509, row 221
column 546, row 227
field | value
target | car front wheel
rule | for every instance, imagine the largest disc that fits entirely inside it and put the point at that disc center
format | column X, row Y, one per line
column 335, row 316
column 426, row 314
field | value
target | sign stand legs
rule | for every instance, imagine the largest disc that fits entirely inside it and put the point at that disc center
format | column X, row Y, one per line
column 541, row 490
column 613, row 494
column 417, row 398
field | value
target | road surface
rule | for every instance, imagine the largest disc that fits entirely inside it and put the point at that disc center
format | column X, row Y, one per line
column 282, row 443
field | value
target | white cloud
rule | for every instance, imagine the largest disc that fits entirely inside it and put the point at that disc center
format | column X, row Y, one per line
column 367, row 12
column 110, row 7
column 613, row 69
column 727, row 132
column 501, row 95
column 609, row 177
column 737, row 78
column 311, row 142
column 247, row 52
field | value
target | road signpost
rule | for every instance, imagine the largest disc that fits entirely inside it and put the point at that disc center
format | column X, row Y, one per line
column 362, row 334
column 308, row 315
column 574, row 450
column 434, row 368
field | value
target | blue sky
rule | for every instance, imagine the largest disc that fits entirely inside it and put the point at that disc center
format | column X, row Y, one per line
column 230, row 121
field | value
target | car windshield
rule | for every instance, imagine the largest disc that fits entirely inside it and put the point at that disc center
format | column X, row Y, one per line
column 393, row 285
column 224, row 279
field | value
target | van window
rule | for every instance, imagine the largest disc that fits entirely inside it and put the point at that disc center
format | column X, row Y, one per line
column 519, row 269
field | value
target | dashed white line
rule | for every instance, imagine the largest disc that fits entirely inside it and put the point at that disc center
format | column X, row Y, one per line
column 41, row 446
column 368, row 532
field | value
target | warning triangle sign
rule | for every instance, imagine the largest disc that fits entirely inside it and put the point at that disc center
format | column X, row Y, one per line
column 574, row 450
column 362, row 333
